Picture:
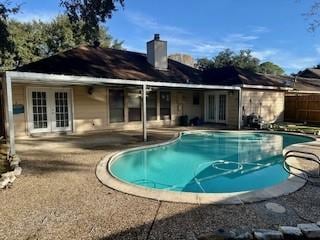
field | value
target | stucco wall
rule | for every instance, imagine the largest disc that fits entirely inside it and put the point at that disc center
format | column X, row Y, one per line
column 267, row 103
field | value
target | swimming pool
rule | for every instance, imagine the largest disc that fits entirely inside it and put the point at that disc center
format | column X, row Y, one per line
column 208, row 162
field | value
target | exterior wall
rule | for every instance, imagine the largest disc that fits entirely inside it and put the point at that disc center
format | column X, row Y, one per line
column 233, row 109
column 91, row 111
column 20, row 120
column 268, row 104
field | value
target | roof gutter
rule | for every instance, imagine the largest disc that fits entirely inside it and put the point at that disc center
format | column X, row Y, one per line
column 310, row 92
column 41, row 78
column 264, row 87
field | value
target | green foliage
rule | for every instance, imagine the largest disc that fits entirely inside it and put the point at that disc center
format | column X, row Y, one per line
column 35, row 40
column 270, row 68
column 6, row 44
column 243, row 59
column 91, row 13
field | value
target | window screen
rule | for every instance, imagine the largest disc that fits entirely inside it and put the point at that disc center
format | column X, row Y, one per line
column 134, row 106
column 165, row 105
column 116, row 105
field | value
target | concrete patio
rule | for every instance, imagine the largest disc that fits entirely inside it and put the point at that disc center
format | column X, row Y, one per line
column 59, row 197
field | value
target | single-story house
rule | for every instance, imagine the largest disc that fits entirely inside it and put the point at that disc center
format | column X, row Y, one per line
column 90, row 88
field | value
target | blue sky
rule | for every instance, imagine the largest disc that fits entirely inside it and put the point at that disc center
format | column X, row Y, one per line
column 274, row 30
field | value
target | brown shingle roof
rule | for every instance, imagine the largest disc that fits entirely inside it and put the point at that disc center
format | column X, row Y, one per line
column 307, row 84
column 111, row 63
column 119, row 64
column 237, row 76
column 310, row 73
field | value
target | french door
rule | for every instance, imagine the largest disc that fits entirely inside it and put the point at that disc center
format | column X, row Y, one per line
column 216, row 107
column 49, row 110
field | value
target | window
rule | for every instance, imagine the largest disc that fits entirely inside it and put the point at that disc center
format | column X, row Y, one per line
column 116, row 105
column 196, row 98
column 165, row 105
column 134, row 106
column 152, row 106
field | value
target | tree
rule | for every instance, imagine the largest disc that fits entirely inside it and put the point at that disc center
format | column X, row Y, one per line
column 270, row 68
column 224, row 58
column 204, row 63
column 313, row 16
column 243, row 59
column 91, row 13
column 6, row 44
column 246, row 61
column 35, row 40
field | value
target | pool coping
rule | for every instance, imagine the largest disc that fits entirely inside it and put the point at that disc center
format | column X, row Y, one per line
column 292, row 184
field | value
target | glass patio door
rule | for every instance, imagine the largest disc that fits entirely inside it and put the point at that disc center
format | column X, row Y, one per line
column 211, row 108
column 49, row 110
column 61, row 116
column 216, row 107
column 222, row 108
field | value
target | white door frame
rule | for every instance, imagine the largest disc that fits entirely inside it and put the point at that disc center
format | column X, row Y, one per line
column 50, row 109
column 216, row 95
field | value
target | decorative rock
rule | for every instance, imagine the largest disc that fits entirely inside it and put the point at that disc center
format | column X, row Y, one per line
column 265, row 234
column 7, row 174
column 17, row 171
column 4, row 182
column 310, row 230
column 221, row 234
column 291, row 233
column 275, row 207
column 244, row 236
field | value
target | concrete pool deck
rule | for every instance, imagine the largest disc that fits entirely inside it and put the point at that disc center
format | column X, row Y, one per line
column 59, row 197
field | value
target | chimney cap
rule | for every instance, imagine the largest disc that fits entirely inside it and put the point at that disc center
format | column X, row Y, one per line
column 157, row 36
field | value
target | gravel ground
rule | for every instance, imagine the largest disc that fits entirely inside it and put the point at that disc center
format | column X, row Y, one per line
column 59, row 197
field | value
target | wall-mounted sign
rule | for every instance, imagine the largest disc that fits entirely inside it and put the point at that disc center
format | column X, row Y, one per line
column 18, row 109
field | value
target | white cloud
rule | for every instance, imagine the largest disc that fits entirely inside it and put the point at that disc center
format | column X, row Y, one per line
column 28, row 16
column 265, row 54
column 260, row 29
column 149, row 23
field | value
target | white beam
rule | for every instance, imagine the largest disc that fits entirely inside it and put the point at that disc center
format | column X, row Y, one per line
column 144, row 112
column 42, row 78
column 9, row 113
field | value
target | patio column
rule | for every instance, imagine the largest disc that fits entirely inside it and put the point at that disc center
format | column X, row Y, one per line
column 144, row 112
column 240, row 109
column 9, row 113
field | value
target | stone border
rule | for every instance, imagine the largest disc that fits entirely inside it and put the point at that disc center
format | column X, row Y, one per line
column 9, row 177
column 300, row 232
column 105, row 176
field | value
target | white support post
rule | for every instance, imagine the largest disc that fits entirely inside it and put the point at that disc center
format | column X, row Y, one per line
column 240, row 109
column 144, row 112
column 9, row 113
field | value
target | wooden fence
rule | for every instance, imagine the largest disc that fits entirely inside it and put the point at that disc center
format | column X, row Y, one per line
column 303, row 108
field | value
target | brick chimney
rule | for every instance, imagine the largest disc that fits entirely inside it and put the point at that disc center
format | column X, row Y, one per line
column 157, row 53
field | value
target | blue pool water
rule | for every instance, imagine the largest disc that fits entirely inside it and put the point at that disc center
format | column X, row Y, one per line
column 209, row 162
